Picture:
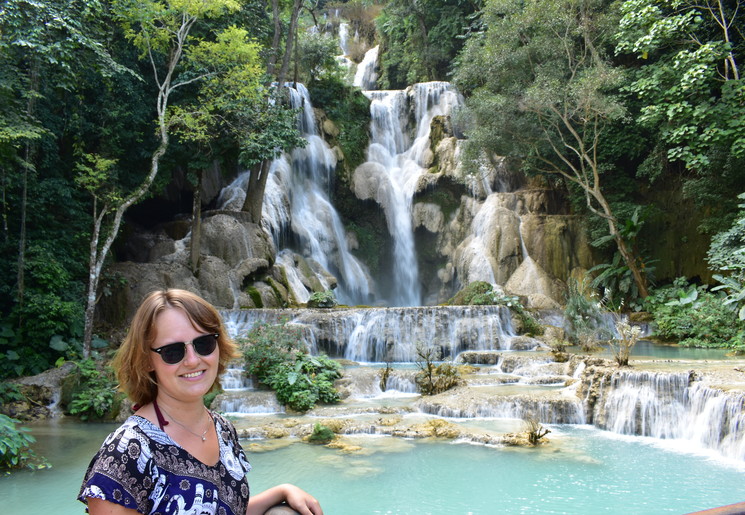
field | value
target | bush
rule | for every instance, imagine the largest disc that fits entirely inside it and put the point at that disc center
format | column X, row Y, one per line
column 301, row 384
column 96, row 396
column 275, row 355
column 267, row 345
column 695, row 317
column 433, row 379
column 322, row 299
column 321, row 434
column 15, row 447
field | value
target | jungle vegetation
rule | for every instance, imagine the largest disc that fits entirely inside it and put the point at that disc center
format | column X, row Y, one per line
column 103, row 102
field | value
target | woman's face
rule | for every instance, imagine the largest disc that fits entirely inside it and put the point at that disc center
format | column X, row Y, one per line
column 191, row 378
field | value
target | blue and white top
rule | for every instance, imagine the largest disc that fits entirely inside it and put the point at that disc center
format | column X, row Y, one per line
column 140, row 467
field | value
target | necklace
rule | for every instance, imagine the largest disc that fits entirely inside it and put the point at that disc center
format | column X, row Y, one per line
column 203, row 436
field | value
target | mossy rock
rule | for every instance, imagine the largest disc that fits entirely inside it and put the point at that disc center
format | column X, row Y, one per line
column 471, row 294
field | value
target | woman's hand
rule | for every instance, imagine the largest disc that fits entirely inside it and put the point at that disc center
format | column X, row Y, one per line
column 296, row 498
column 301, row 501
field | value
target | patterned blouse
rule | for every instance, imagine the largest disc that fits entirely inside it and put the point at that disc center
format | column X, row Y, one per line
column 140, row 467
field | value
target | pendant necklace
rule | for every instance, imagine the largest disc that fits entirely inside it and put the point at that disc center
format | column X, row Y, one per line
column 203, row 436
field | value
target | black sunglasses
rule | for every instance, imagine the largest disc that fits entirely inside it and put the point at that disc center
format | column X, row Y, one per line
column 174, row 352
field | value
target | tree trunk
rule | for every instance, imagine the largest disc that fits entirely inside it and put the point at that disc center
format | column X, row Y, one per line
column 255, row 192
column 272, row 62
column 196, row 225
column 27, row 165
column 288, row 44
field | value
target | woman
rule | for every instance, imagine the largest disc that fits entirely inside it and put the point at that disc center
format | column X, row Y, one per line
column 173, row 455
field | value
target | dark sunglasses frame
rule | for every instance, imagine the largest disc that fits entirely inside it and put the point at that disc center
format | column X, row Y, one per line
column 200, row 344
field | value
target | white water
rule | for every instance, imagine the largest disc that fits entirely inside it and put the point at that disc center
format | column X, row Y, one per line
column 395, row 163
column 298, row 214
column 672, row 406
column 391, row 334
column 366, row 75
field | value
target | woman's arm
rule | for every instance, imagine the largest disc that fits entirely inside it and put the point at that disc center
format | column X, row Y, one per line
column 101, row 507
column 299, row 500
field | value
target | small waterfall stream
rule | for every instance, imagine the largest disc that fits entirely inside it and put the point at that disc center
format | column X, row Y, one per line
column 672, row 406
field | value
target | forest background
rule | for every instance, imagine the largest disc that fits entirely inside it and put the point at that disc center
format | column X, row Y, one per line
column 103, row 104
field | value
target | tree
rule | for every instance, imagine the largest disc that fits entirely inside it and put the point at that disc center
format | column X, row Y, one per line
column 689, row 75
column 216, row 59
column 543, row 92
column 684, row 58
column 39, row 37
column 420, row 38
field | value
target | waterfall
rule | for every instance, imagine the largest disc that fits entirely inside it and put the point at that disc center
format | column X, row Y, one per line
column 366, row 75
column 672, row 406
column 395, row 163
column 297, row 211
column 389, row 334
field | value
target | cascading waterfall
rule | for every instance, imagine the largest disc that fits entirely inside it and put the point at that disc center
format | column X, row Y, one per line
column 672, row 406
column 297, row 210
column 366, row 75
column 391, row 334
column 395, row 163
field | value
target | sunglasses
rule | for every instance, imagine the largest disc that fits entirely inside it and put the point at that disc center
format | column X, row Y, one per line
column 174, row 352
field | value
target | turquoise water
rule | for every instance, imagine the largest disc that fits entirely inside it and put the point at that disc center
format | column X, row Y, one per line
column 581, row 471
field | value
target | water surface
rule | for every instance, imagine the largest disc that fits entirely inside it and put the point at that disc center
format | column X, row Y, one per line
column 582, row 471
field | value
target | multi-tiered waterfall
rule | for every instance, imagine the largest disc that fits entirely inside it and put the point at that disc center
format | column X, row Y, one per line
column 502, row 236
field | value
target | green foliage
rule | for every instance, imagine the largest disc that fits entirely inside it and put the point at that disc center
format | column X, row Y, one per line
column 420, row 39
column 10, row 392
column 322, row 299
column 307, row 380
column 616, row 278
column 275, row 355
column 688, row 76
column 15, row 447
column 95, row 397
column 584, row 313
column 349, row 109
column 267, row 345
column 321, row 434
column 693, row 316
column 727, row 256
column 317, row 56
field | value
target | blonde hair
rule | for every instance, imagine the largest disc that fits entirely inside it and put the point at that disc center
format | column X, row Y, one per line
column 132, row 361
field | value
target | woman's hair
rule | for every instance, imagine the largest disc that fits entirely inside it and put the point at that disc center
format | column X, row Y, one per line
column 132, row 361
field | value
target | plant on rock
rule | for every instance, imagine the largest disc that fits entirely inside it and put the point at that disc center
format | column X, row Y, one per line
column 431, row 378
column 322, row 299
column 275, row 355
column 621, row 346
column 96, row 397
column 321, row 434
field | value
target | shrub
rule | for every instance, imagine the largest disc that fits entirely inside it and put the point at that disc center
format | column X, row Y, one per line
column 433, row 379
column 96, row 396
column 15, row 447
column 321, row 434
column 304, row 382
column 621, row 346
column 695, row 317
column 322, row 299
column 275, row 355
column 267, row 345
